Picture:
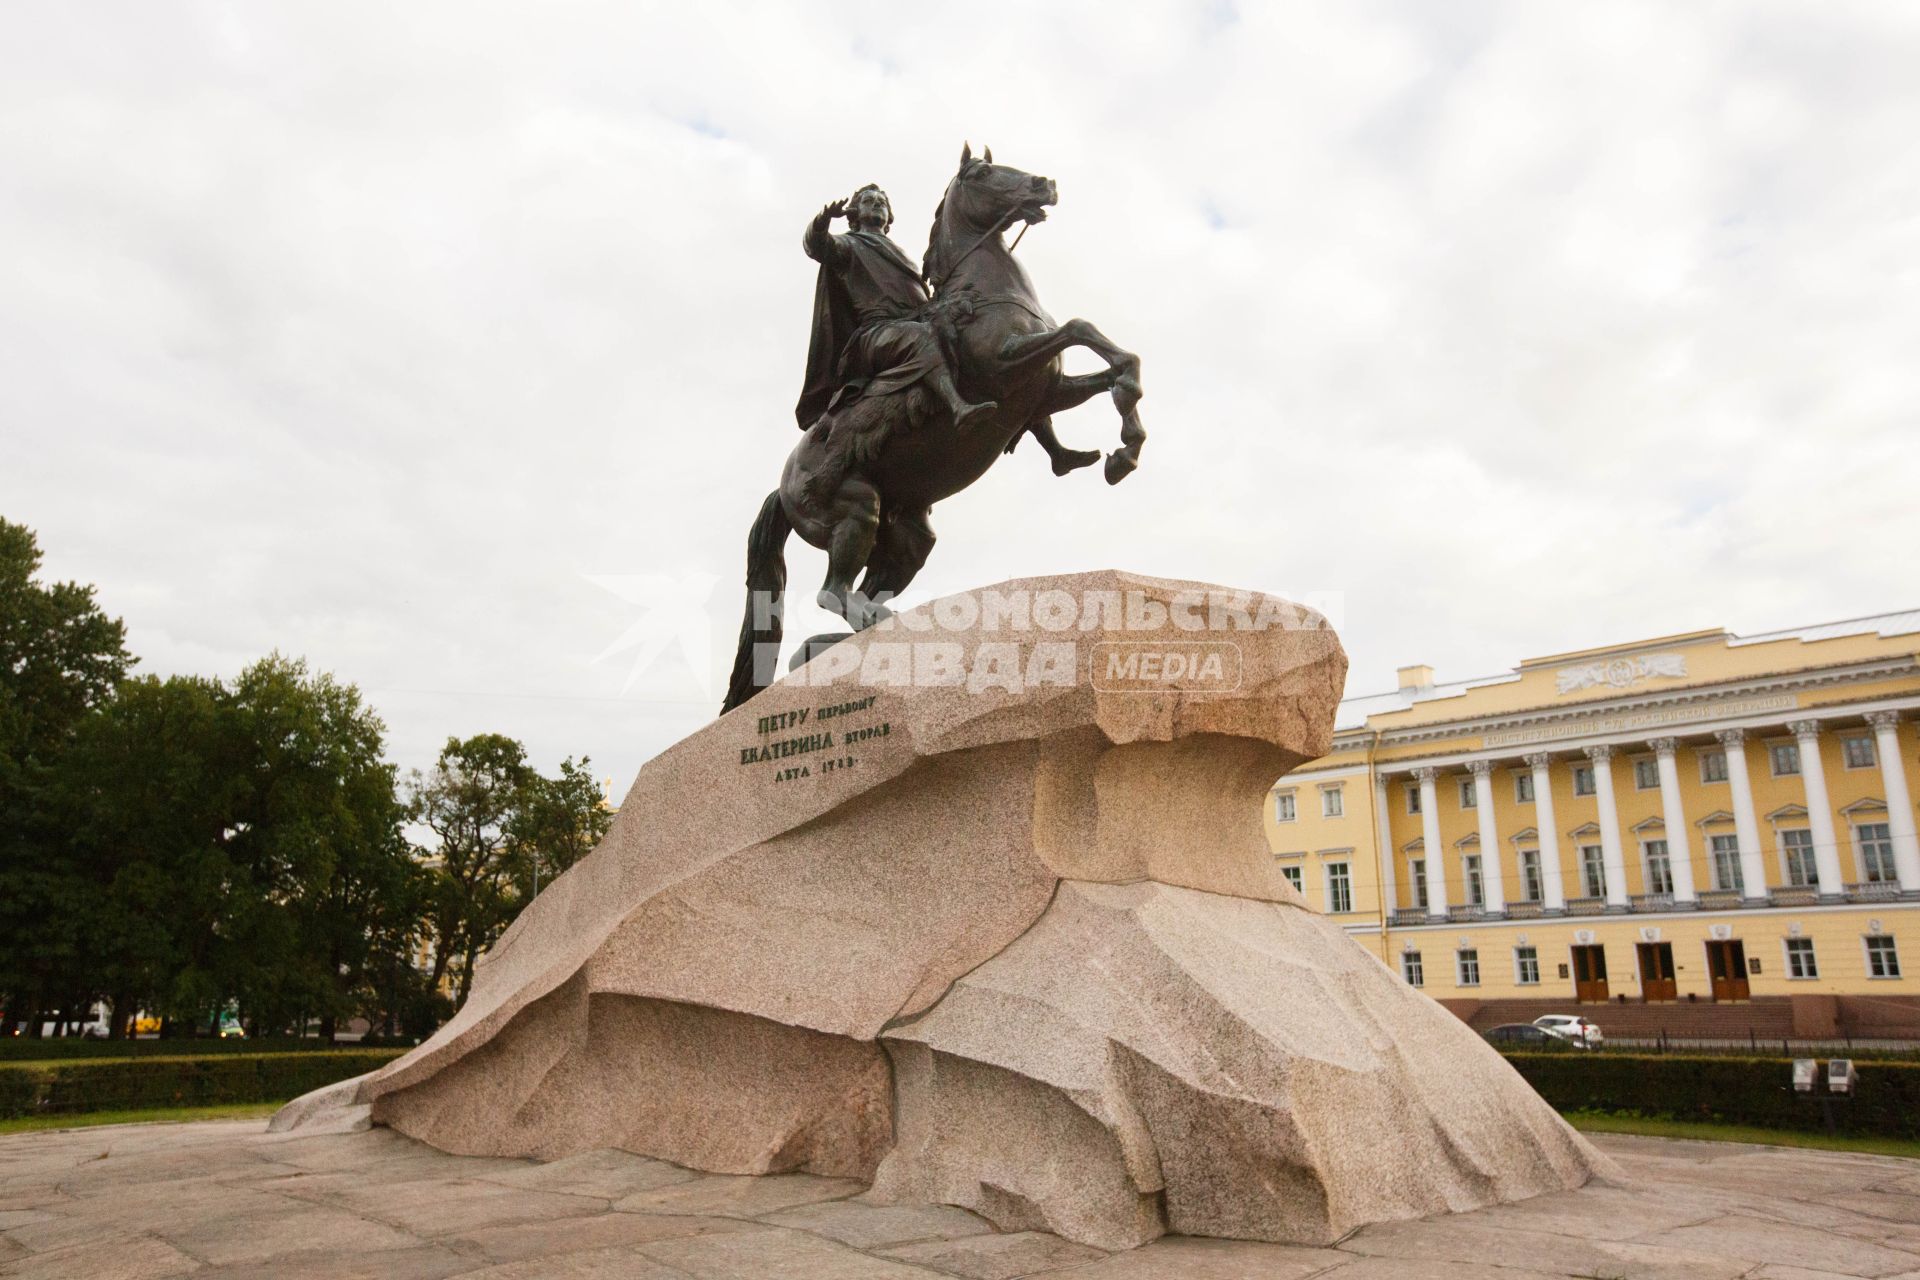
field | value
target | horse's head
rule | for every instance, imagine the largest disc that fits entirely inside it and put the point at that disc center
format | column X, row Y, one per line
column 983, row 198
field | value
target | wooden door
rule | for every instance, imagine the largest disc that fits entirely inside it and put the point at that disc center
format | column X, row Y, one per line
column 1590, row 975
column 1727, row 967
column 1656, row 971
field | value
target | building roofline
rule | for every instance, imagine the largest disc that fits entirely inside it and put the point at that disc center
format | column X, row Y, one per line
column 1629, row 646
column 1907, row 621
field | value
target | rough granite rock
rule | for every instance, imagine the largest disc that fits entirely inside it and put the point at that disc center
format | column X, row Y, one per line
column 977, row 905
column 1178, row 1049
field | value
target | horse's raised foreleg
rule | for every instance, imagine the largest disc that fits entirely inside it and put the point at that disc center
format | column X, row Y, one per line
column 1021, row 353
column 1075, row 390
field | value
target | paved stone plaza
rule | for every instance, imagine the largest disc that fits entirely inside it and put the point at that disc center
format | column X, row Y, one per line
column 227, row 1200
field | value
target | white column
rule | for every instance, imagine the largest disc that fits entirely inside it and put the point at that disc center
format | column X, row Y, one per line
column 1496, row 892
column 1674, row 814
column 1746, row 825
column 1389, row 891
column 1893, row 776
column 1552, row 887
column 1430, row 844
column 1610, row 853
column 1826, row 845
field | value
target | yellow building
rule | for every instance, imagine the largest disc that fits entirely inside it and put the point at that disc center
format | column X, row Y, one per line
column 1711, row 833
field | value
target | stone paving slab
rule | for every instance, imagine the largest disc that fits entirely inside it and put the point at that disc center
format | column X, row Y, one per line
column 999, row 1257
column 226, row 1201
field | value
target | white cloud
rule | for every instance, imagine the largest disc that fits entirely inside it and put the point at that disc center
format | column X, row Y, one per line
column 370, row 333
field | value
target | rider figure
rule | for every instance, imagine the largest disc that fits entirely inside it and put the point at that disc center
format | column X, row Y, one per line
column 867, row 331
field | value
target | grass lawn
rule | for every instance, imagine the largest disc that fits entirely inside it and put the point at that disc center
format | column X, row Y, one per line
column 170, row 1115
column 1606, row 1122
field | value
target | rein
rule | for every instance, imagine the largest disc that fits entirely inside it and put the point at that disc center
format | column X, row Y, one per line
column 1013, row 300
column 1005, row 221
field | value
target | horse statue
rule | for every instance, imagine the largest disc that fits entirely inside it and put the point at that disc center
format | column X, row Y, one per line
column 862, row 482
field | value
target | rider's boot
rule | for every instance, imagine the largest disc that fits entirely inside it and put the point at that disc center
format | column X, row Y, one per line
column 965, row 415
column 968, row 416
column 1064, row 459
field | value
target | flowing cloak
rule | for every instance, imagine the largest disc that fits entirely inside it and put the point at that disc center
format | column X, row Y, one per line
column 864, row 280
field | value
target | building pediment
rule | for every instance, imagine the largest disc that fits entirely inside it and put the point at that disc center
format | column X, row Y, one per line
column 1719, row 817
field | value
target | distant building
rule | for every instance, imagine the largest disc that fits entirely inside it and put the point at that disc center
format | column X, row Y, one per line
column 1713, row 833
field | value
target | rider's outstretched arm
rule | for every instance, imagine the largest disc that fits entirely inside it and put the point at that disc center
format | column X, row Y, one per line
column 818, row 241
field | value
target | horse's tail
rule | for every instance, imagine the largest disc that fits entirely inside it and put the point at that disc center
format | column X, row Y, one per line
column 755, row 661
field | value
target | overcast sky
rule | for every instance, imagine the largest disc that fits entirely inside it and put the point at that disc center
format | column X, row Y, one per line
column 427, row 340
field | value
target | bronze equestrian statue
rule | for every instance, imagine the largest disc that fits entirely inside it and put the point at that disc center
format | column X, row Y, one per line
column 909, row 398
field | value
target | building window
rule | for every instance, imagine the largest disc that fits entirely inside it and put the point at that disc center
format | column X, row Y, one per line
column 1593, row 868
column 1283, row 808
column 1882, row 960
column 1339, row 887
column 1413, row 797
column 1530, row 874
column 1725, row 851
column 1294, row 877
column 1469, row 798
column 1411, row 969
column 1582, row 780
column 1646, row 775
column 1876, row 852
column 1417, row 876
column 1476, row 889
column 1332, row 805
column 1785, row 757
column 1659, row 868
column 1469, row 964
column 1713, row 766
column 1857, row 750
column 1797, row 848
column 1523, row 788
column 1526, row 966
column 1800, row 961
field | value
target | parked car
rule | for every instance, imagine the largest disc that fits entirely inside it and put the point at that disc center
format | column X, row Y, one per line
column 1524, row 1035
column 1572, row 1028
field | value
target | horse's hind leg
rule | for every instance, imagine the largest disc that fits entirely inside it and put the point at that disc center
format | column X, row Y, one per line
column 856, row 522
column 905, row 541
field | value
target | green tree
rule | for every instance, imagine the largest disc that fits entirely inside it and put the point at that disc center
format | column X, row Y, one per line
column 397, row 997
column 239, row 841
column 469, row 800
column 320, row 838
column 60, row 656
column 149, row 797
column 559, row 821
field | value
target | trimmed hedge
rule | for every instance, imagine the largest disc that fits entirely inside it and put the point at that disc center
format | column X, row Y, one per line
column 1750, row 1091
column 136, row 1084
column 23, row 1049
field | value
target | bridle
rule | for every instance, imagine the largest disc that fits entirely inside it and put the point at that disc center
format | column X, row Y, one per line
column 1005, row 220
